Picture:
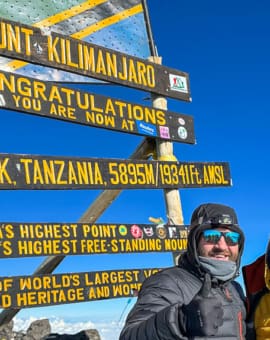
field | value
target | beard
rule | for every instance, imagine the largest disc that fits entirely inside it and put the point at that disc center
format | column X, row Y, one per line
column 215, row 251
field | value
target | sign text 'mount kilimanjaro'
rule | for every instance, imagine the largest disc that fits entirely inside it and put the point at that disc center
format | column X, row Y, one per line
column 47, row 48
column 49, row 172
column 48, row 99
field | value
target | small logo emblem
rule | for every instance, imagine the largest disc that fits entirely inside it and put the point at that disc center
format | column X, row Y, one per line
column 122, row 230
column 178, row 83
column 136, row 231
column 161, row 231
column 182, row 132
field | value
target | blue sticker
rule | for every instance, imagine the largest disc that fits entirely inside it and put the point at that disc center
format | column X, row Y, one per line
column 146, row 129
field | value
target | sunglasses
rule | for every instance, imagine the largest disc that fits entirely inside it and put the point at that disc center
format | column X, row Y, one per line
column 213, row 236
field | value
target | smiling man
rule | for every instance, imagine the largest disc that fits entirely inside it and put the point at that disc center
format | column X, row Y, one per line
column 198, row 298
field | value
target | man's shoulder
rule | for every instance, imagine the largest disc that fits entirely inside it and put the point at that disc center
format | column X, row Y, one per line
column 175, row 280
column 174, row 276
column 174, row 271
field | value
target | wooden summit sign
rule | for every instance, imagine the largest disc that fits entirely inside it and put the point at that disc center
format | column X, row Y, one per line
column 44, row 47
column 50, row 172
column 64, row 288
column 45, row 239
column 48, row 99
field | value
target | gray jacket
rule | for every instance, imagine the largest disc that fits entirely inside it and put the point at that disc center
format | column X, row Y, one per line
column 155, row 315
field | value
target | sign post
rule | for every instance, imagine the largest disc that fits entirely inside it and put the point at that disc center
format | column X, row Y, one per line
column 165, row 152
column 31, row 172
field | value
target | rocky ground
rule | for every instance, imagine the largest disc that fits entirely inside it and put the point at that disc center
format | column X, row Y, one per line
column 41, row 330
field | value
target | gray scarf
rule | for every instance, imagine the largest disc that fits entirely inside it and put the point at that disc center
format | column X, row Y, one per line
column 222, row 270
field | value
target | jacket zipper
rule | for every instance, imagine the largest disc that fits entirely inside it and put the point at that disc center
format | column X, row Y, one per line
column 239, row 314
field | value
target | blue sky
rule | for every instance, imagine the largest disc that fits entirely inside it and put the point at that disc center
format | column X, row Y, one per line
column 225, row 50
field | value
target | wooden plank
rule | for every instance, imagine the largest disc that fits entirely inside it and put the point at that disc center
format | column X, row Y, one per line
column 45, row 47
column 43, row 239
column 28, row 172
column 65, row 288
column 51, row 100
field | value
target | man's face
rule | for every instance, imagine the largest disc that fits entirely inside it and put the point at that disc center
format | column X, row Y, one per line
column 219, row 250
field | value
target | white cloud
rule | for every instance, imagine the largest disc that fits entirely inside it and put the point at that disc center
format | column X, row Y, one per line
column 108, row 330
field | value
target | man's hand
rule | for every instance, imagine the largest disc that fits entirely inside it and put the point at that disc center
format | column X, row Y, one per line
column 204, row 314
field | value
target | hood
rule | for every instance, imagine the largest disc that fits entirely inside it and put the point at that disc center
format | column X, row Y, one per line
column 207, row 216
